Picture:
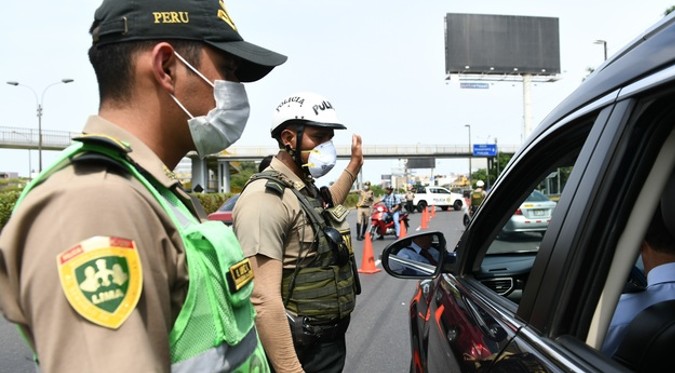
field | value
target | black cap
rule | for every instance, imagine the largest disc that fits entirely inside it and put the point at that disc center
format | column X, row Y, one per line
column 118, row 21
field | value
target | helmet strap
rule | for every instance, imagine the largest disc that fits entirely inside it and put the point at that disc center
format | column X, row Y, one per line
column 297, row 152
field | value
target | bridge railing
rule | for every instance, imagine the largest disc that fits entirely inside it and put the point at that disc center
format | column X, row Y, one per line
column 27, row 138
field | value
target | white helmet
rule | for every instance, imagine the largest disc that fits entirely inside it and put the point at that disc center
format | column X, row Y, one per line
column 480, row 183
column 308, row 107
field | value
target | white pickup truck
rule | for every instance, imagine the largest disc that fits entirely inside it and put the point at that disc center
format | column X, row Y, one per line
column 437, row 196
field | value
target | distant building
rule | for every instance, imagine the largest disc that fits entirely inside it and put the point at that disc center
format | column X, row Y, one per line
column 183, row 170
column 8, row 175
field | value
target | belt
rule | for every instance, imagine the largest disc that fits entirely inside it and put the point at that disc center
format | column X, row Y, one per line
column 307, row 332
column 328, row 332
column 363, row 207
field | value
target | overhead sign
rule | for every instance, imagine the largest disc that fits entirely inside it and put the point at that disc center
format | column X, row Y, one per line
column 484, row 150
column 420, row 163
column 474, row 85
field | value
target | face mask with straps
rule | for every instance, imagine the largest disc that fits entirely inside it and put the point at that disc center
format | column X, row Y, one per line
column 223, row 125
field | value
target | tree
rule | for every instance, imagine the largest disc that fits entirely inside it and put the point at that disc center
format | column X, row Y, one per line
column 498, row 165
column 246, row 169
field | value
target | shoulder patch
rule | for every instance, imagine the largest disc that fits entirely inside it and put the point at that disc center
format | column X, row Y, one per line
column 275, row 186
column 102, row 279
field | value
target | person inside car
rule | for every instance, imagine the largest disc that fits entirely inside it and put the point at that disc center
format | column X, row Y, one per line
column 658, row 255
column 420, row 250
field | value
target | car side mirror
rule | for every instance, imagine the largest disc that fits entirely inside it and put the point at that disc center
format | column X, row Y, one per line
column 417, row 256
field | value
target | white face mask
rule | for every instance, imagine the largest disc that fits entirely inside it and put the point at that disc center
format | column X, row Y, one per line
column 321, row 159
column 221, row 126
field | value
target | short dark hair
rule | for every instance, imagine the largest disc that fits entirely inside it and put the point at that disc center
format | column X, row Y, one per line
column 292, row 125
column 265, row 162
column 113, row 64
column 658, row 236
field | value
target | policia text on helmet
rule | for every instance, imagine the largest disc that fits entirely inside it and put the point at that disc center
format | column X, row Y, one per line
column 291, row 120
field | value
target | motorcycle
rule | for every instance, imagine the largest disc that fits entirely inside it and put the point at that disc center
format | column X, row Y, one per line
column 382, row 224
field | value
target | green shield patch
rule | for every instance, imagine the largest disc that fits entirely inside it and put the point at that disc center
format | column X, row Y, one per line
column 102, row 279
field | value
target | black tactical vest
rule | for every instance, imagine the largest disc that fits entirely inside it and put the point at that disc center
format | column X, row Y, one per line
column 325, row 287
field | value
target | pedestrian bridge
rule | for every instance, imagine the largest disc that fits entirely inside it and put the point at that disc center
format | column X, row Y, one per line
column 28, row 138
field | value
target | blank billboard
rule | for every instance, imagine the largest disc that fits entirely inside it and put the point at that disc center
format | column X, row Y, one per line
column 420, row 163
column 499, row 44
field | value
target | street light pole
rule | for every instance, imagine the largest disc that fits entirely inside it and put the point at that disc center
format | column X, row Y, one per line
column 39, row 111
column 604, row 46
column 30, row 163
column 470, row 153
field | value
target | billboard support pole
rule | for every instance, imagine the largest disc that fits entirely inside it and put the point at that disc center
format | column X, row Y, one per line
column 527, row 106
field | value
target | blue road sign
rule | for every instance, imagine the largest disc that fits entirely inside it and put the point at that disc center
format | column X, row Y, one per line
column 469, row 85
column 484, row 150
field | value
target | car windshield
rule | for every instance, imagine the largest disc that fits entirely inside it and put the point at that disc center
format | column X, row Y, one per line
column 229, row 204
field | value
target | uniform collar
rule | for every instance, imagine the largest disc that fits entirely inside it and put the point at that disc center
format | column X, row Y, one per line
column 140, row 153
column 279, row 166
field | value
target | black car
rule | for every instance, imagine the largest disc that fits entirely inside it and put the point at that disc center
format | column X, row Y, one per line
column 542, row 302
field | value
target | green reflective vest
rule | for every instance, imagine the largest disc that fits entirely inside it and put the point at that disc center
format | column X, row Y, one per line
column 214, row 330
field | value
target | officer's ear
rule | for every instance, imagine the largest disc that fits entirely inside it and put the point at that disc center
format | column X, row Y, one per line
column 163, row 66
column 287, row 137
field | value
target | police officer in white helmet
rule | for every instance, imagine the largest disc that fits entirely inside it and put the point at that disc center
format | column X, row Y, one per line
column 295, row 233
column 477, row 196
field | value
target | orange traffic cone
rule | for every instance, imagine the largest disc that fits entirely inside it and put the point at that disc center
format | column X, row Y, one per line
column 404, row 230
column 433, row 211
column 425, row 219
column 368, row 261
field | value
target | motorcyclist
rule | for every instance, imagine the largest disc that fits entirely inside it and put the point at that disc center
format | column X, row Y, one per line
column 477, row 196
column 393, row 203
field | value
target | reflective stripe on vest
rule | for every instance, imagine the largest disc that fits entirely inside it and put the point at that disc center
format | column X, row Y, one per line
column 226, row 358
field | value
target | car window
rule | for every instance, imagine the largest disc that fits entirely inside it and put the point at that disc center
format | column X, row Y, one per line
column 229, row 204
column 525, row 228
column 524, row 210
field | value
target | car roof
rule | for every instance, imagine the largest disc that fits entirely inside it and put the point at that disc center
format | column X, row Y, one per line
column 649, row 52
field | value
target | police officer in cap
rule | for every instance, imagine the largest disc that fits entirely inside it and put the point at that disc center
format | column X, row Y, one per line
column 298, row 240
column 105, row 264
column 364, row 208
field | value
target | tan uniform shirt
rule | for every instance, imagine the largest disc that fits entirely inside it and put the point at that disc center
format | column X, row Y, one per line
column 74, row 204
column 268, row 224
column 366, row 198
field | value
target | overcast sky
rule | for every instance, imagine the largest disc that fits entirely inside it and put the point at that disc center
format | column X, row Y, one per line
column 380, row 63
